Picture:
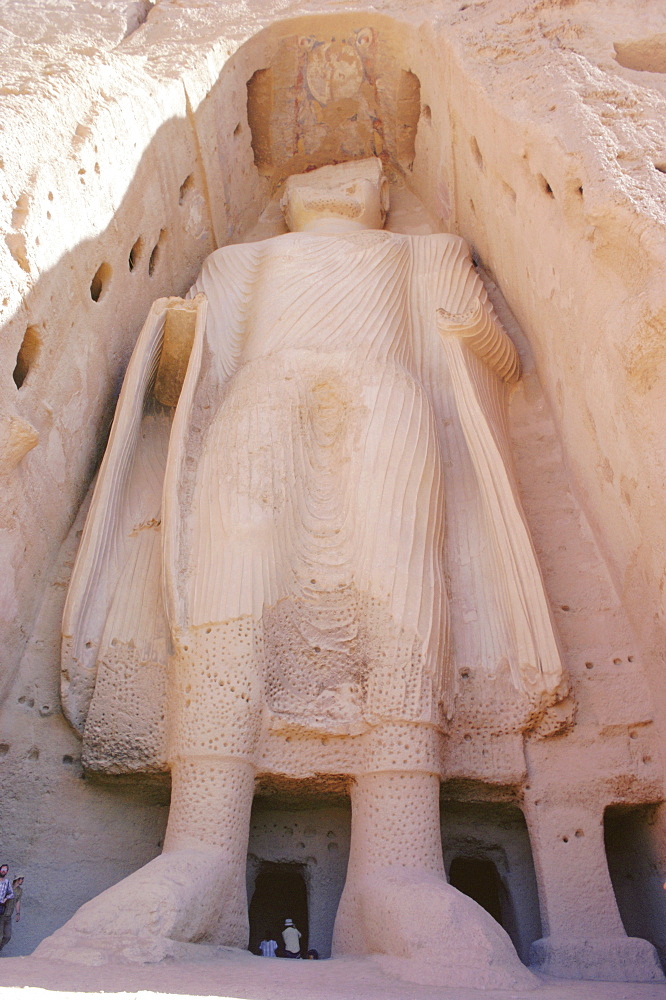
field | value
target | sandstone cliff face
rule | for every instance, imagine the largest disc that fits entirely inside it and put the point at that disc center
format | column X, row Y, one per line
column 137, row 138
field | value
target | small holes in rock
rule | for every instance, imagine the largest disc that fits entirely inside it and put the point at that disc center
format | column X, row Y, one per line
column 237, row 130
column 50, row 195
column 647, row 759
column 617, row 661
column 426, row 113
column 579, row 833
column 155, row 253
column 579, row 191
column 545, row 186
column 67, row 759
column 589, row 665
column 135, row 254
column 317, row 649
column 464, row 674
column 565, row 607
column 4, row 749
column 27, row 355
column 661, row 167
column 565, row 840
column 186, row 186
column 100, row 282
column 467, row 737
column 630, row 659
column 633, row 735
column 33, row 753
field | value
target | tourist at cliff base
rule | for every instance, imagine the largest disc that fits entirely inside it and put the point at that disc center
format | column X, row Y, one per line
column 292, row 939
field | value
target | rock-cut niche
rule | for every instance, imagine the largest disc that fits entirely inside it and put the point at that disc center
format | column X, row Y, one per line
column 330, row 99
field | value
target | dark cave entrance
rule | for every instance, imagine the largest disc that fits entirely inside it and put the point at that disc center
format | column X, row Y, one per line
column 634, row 853
column 279, row 892
column 479, row 879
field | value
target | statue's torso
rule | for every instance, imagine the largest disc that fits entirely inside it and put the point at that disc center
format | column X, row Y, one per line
column 322, row 431
column 320, row 465
column 343, row 295
column 360, row 299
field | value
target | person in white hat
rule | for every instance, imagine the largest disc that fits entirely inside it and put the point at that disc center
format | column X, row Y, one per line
column 292, row 939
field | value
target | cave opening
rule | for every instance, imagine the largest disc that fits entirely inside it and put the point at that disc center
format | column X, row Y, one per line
column 634, row 851
column 479, row 879
column 280, row 891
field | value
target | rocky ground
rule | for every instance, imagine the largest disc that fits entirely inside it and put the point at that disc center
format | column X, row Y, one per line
column 240, row 976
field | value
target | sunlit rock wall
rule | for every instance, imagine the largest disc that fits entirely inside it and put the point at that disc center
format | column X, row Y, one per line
column 138, row 137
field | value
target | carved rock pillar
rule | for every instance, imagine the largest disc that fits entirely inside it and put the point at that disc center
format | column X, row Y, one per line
column 583, row 933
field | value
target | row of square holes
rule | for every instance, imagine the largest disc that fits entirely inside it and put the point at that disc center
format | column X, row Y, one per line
column 104, row 271
column 31, row 343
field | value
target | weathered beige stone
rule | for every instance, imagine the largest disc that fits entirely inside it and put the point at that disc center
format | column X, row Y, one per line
column 131, row 150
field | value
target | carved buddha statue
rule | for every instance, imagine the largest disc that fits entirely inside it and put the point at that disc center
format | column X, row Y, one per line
column 311, row 545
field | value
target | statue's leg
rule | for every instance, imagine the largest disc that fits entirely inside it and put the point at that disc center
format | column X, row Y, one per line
column 215, row 710
column 396, row 900
column 195, row 890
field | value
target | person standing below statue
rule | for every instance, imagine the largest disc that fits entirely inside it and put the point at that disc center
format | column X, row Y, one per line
column 6, row 906
column 292, row 939
column 12, row 906
column 268, row 947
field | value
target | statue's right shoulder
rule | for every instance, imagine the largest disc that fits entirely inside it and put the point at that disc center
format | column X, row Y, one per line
column 227, row 259
column 237, row 252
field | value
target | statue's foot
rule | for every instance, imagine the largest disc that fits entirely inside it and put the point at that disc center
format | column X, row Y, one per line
column 422, row 929
column 182, row 896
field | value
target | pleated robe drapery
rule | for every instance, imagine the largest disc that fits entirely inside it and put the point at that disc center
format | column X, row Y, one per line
column 338, row 478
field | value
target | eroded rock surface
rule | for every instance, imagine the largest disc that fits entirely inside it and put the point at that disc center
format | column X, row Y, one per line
column 135, row 142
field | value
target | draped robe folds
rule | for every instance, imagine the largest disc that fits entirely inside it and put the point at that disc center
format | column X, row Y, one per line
column 330, row 518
